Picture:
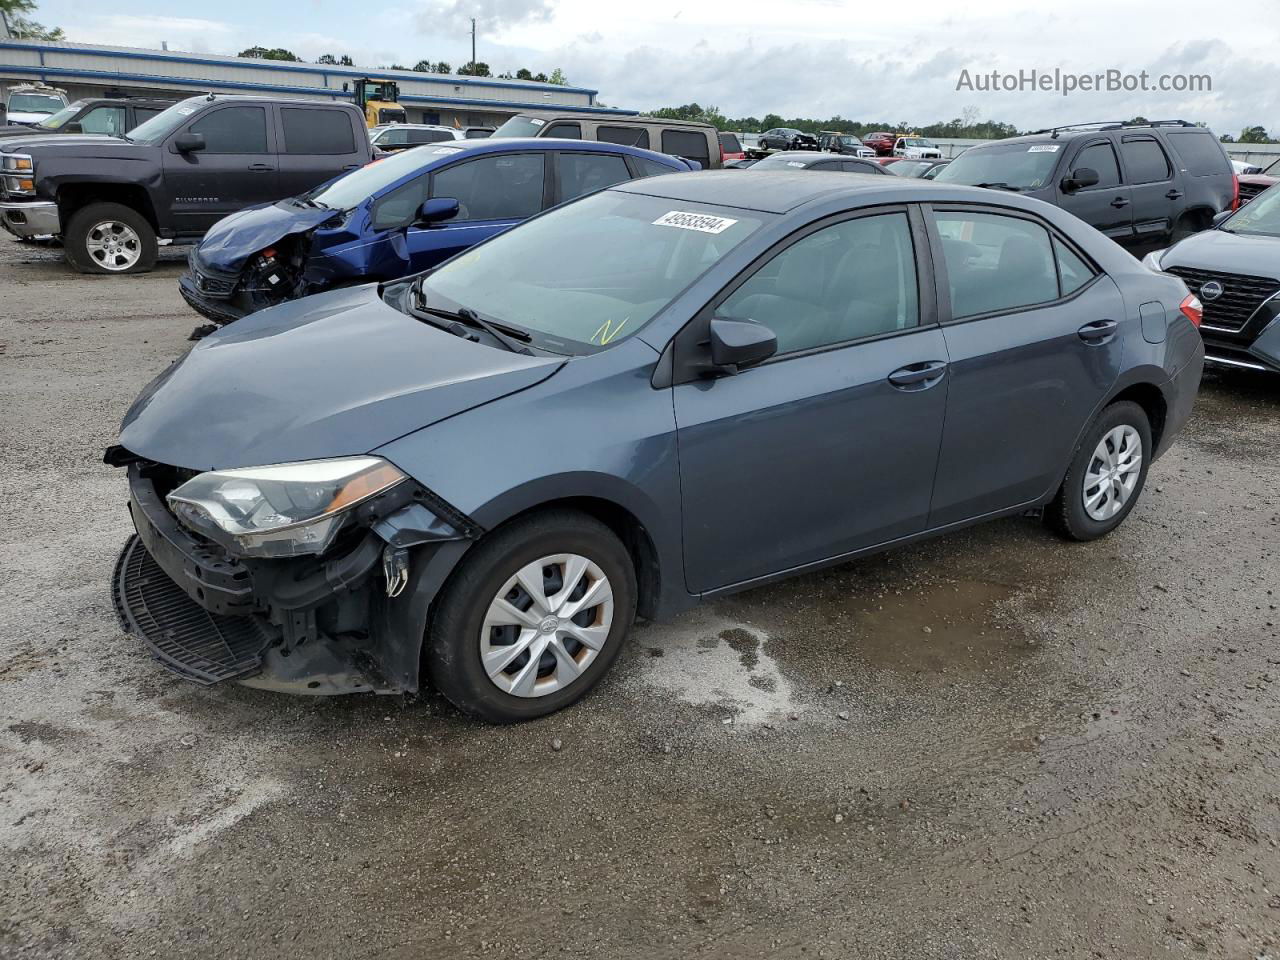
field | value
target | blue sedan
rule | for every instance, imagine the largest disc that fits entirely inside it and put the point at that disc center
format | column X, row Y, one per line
column 398, row 216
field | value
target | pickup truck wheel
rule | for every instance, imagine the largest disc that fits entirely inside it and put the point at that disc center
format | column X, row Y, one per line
column 110, row 238
column 533, row 617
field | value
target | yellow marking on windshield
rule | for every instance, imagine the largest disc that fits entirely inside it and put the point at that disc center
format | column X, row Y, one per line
column 608, row 332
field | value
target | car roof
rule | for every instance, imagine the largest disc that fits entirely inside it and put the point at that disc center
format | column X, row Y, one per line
column 526, row 144
column 612, row 119
column 417, row 126
column 805, row 156
column 783, row 191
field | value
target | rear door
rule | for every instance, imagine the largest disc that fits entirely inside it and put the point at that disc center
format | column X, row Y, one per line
column 1149, row 174
column 1108, row 206
column 236, row 169
column 1032, row 333
column 317, row 144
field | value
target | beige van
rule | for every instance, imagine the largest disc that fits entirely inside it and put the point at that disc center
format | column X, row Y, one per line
column 681, row 138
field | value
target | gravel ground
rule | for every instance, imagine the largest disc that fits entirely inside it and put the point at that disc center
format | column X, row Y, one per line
column 992, row 745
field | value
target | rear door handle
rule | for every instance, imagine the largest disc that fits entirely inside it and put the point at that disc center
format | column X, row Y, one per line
column 1119, row 202
column 918, row 376
column 261, row 167
column 1173, row 195
column 351, row 166
column 1097, row 331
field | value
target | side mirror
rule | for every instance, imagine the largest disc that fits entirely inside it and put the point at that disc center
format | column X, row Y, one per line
column 436, row 210
column 1080, row 178
column 188, row 142
column 1222, row 218
column 73, row 126
column 738, row 344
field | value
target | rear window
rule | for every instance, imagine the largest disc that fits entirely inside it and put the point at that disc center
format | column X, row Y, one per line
column 627, row 136
column 1200, row 153
column 687, row 144
column 729, row 143
column 310, row 131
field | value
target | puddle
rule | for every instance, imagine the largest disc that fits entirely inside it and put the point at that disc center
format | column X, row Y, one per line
column 705, row 660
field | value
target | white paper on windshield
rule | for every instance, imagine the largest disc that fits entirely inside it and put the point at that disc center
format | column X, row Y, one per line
column 1044, row 148
column 702, row 222
column 536, row 122
column 186, row 111
column 794, row 163
column 447, row 150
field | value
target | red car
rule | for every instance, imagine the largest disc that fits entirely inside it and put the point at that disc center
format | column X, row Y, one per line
column 731, row 148
column 1252, row 184
column 881, row 142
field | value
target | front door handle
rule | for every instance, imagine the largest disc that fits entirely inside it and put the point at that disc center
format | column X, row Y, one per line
column 918, row 376
column 261, row 167
column 1119, row 202
column 1098, row 331
column 1173, row 195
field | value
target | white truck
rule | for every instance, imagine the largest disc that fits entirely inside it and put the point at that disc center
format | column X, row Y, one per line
column 26, row 104
column 916, row 148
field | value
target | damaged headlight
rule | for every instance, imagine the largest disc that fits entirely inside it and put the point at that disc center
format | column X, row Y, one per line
column 286, row 510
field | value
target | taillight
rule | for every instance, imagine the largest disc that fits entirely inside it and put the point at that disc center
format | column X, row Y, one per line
column 1192, row 309
column 1235, row 192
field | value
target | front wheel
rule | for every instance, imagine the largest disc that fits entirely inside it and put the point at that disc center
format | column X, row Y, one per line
column 1106, row 475
column 110, row 238
column 532, row 618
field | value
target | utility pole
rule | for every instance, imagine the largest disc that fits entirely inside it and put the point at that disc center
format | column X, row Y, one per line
column 473, row 45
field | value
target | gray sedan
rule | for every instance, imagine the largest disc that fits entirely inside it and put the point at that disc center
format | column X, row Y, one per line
column 666, row 391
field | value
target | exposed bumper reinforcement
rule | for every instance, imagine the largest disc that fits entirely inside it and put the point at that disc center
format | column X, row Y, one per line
column 38, row 218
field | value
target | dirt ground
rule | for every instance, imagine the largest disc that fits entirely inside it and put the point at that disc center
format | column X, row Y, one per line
column 991, row 745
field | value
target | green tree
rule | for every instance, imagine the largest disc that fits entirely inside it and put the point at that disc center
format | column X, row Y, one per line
column 328, row 59
column 540, row 77
column 557, row 77
column 472, row 69
column 21, row 27
column 1253, row 135
column 524, row 74
column 693, row 111
column 346, row 61
column 275, row 53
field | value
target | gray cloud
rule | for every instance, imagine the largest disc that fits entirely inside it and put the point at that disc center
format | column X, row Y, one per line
column 451, row 16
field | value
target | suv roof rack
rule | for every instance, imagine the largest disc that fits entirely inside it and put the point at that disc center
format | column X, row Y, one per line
column 1110, row 125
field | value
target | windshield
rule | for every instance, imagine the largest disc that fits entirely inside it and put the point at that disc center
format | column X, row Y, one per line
column 1273, row 170
column 165, row 122
column 917, row 142
column 910, row 168
column 850, row 142
column 55, row 120
column 1259, row 217
column 1018, row 166
column 520, row 127
column 358, row 185
column 34, row 103
column 593, row 272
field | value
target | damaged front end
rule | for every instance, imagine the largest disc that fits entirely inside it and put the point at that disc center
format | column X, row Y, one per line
column 319, row 586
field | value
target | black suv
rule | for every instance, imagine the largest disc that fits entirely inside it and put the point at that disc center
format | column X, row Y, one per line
column 110, row 115
column 1139, row 183
column 786, row 138
column 173, row 176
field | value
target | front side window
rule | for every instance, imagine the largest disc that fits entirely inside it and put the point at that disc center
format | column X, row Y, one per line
column 565, row 131
column 1144, row 161
column 1100, row 157
column 591, row 274
column 400, row 207
column 995, row 262
column 312, row 132
column 583, row 173
column 844, row 282
column 502, row 187
column 109, row 120
column 233, row 130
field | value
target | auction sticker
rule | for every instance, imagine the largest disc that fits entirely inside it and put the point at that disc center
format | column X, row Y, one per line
column 447, row 150
column 1044, row 148
column 702, row 222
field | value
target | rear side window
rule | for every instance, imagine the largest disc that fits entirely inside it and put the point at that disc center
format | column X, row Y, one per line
column 861, row 166
column 1102, row 158
column 628, row 136
column 310, row 131
column 688, row 144
column 566, row 131
column 1200, row 153
column 233, row 130
column 428, row 136
column 503, row 187
column 729, row 143
column 1144, row 160
column 582, row 173
column 651, row 168
column 1073, row 273
column 996, row 262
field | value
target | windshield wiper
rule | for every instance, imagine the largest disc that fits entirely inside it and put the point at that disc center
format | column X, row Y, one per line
column 999, row 185
column 510, row 337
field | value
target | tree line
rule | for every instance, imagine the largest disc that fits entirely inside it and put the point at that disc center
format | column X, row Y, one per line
column 469, row 69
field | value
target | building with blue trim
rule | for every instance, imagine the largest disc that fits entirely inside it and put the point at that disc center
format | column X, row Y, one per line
column 90, row 70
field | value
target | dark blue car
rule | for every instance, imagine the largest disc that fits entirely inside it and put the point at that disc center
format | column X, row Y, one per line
column 374, row 223
column 663, row 392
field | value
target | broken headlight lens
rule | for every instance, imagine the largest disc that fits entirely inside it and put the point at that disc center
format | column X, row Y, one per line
column 287, row 510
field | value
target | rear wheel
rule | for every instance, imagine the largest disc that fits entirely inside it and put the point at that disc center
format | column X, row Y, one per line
column 532, row 618
column 1106, row 475
column 1188, row 224
column 110, row 238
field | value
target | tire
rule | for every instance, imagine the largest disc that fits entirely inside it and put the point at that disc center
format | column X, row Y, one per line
column 110, row 238
column 1068, row 514
column 1187, row 225
column 460, row 635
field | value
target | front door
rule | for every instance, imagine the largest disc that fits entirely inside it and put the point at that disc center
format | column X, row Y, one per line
column 236, row 168
column 1034, row 343
column 1107, row 206
column 831, row 446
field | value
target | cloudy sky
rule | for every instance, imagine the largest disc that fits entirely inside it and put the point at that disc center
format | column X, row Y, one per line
column 814, row 58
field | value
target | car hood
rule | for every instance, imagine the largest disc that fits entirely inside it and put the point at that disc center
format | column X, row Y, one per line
column 232, row 240
column 336, row 374
column 1226, row 253
column 46, row 144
